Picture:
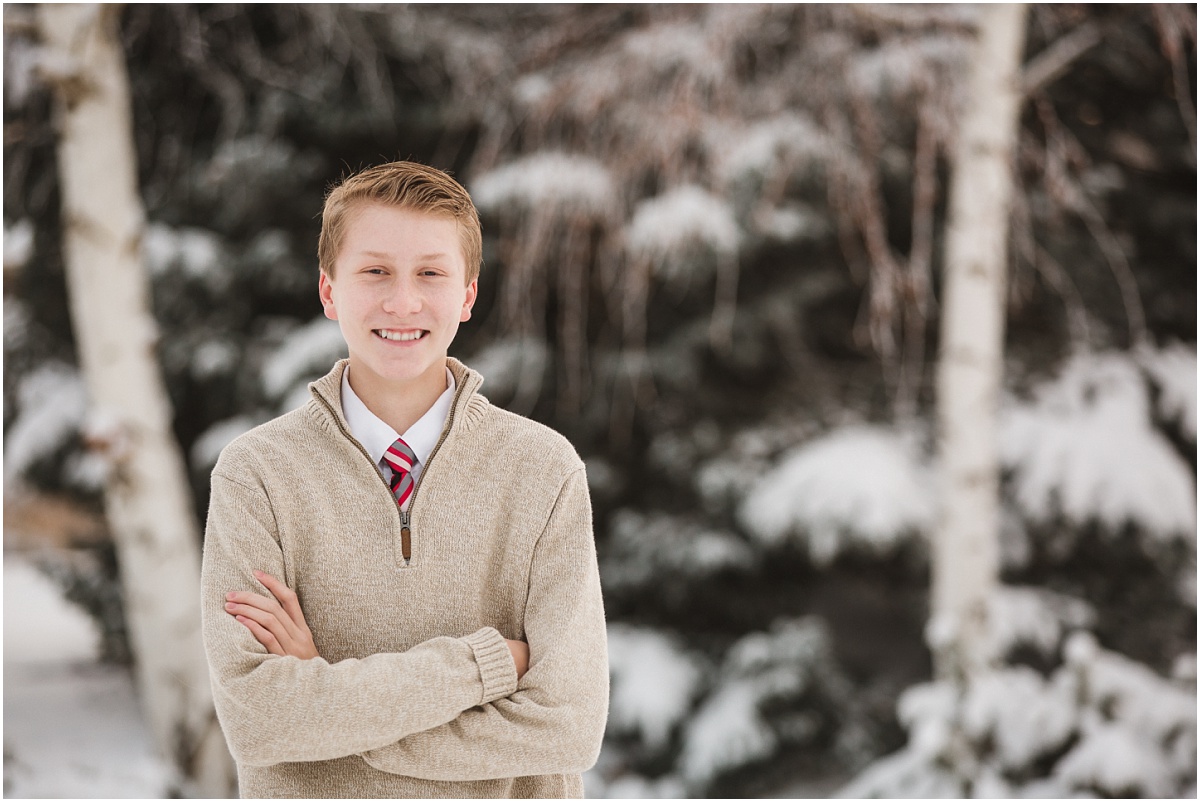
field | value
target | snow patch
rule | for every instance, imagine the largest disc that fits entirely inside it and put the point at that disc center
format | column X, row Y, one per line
column 508, row 364
column 1126, row 732
column 726, row 733
column 193, row 252
column 633, row 786
column 1086, row 448
column 1020, row 714
column 214, row 357
column 668, row 228
column 647, row 549
column 858, row 486
column 52, row 402
column 550, row 180
column 791, row 222
column 71, row 728
column 670, row 47
column 18, row 244
column 40, row 626
column 207, row 447
column 1173, row 371
column 1111, row 760
column 306, row 353
column 1035, row 617
column 904, row 65
column 653, row 683
column 782, row 144
column 761, row 670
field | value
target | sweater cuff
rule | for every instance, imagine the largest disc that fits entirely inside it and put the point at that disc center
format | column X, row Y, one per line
column 496, row 667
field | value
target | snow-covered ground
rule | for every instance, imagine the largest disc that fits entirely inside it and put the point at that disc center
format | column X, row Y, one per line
column 72, row 728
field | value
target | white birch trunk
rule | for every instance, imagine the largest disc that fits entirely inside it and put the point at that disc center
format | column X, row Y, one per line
column 147, row 500
column 965, row 547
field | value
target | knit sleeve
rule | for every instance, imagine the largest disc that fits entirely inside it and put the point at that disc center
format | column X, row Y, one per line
column 555, row 720
column 282, row 709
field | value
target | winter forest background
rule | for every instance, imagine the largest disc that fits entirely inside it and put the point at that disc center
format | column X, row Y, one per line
column 714, row 256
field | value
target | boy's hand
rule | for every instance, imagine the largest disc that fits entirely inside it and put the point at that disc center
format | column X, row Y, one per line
column 278, row 625
column 520, row 654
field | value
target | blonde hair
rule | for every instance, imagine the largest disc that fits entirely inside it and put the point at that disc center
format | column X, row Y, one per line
column 407, row 185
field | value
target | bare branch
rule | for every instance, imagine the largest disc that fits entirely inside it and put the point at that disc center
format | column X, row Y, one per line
column 1054, row 60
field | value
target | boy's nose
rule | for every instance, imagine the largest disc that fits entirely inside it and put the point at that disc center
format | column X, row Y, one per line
column 404, row 299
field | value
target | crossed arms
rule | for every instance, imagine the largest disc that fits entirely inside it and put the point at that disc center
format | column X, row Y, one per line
column 446, row 709
column 280, row 626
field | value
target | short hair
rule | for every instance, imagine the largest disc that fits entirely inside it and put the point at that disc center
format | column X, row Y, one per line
column 407, row 185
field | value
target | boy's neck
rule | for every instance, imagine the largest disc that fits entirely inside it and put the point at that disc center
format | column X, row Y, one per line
column 398, row 404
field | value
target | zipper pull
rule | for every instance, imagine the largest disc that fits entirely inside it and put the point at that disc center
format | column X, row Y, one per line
column 405, row 537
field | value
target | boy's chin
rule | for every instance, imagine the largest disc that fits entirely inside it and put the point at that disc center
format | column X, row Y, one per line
column 401, row 371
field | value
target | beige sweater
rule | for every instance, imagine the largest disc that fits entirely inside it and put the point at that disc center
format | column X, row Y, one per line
column 415, row 693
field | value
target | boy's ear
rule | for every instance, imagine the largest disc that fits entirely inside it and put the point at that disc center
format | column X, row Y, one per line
column 472, row 291
column 325, row 290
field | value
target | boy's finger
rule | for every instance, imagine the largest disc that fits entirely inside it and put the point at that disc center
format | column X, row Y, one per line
column 265, row 603
column 286, row 596
column 267, row 619
column 262, row 635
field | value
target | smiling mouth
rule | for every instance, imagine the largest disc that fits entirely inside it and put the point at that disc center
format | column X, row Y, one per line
column 400, row 336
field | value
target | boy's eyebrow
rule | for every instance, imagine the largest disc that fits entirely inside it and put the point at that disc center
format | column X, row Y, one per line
column 384, row 255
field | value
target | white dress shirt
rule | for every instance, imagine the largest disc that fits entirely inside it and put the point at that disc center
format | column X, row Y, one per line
column 375, row 435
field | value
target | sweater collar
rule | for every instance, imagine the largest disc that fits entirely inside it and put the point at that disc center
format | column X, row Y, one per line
column 328, row 389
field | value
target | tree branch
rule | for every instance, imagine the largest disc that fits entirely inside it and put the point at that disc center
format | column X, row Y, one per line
column 1055, row 59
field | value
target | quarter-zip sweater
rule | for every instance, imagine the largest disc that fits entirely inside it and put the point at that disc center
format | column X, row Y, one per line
column 415, row 693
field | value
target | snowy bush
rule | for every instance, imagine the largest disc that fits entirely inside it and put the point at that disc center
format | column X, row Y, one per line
column 658, row 549
column 1033, row 617
column 193, row 252
column 207, row 447
column 677, row 230
column 858, row 487
column 553, row 180
column 306, row 353
column 1173, row 372
column 1100, row 724
column 771, row 689
column 787, row 143
column 901, row 67
column 1085, row 448
column 507, row 364
column 653, row 683
column 52, row 402
column 18, row 244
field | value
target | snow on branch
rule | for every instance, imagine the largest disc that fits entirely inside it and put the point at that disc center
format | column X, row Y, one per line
column 645, row 550
column 305, row 354
column 764, row 674
column 1085, row 448
column 550, row 179
column 1173, row 372
column 669, row 228
column 52, row 403
column 1100, row 724
column 194, row 252
column 790, row 142
column 861, row 486
column 653, row 683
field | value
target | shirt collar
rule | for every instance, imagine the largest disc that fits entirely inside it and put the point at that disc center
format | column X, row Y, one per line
column 375, row 435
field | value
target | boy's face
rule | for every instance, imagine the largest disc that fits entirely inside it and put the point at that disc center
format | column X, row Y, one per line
column 399, row 294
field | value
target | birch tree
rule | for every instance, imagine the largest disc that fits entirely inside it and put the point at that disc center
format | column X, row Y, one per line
column 147, row 502
column 965, row 548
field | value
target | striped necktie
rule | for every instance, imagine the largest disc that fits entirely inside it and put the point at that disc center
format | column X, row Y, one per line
column 401, row 459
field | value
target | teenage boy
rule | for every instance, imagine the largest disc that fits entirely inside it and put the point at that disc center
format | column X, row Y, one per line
column 400, row 588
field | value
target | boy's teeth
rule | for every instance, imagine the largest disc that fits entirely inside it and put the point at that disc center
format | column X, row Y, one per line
column 402, row 336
